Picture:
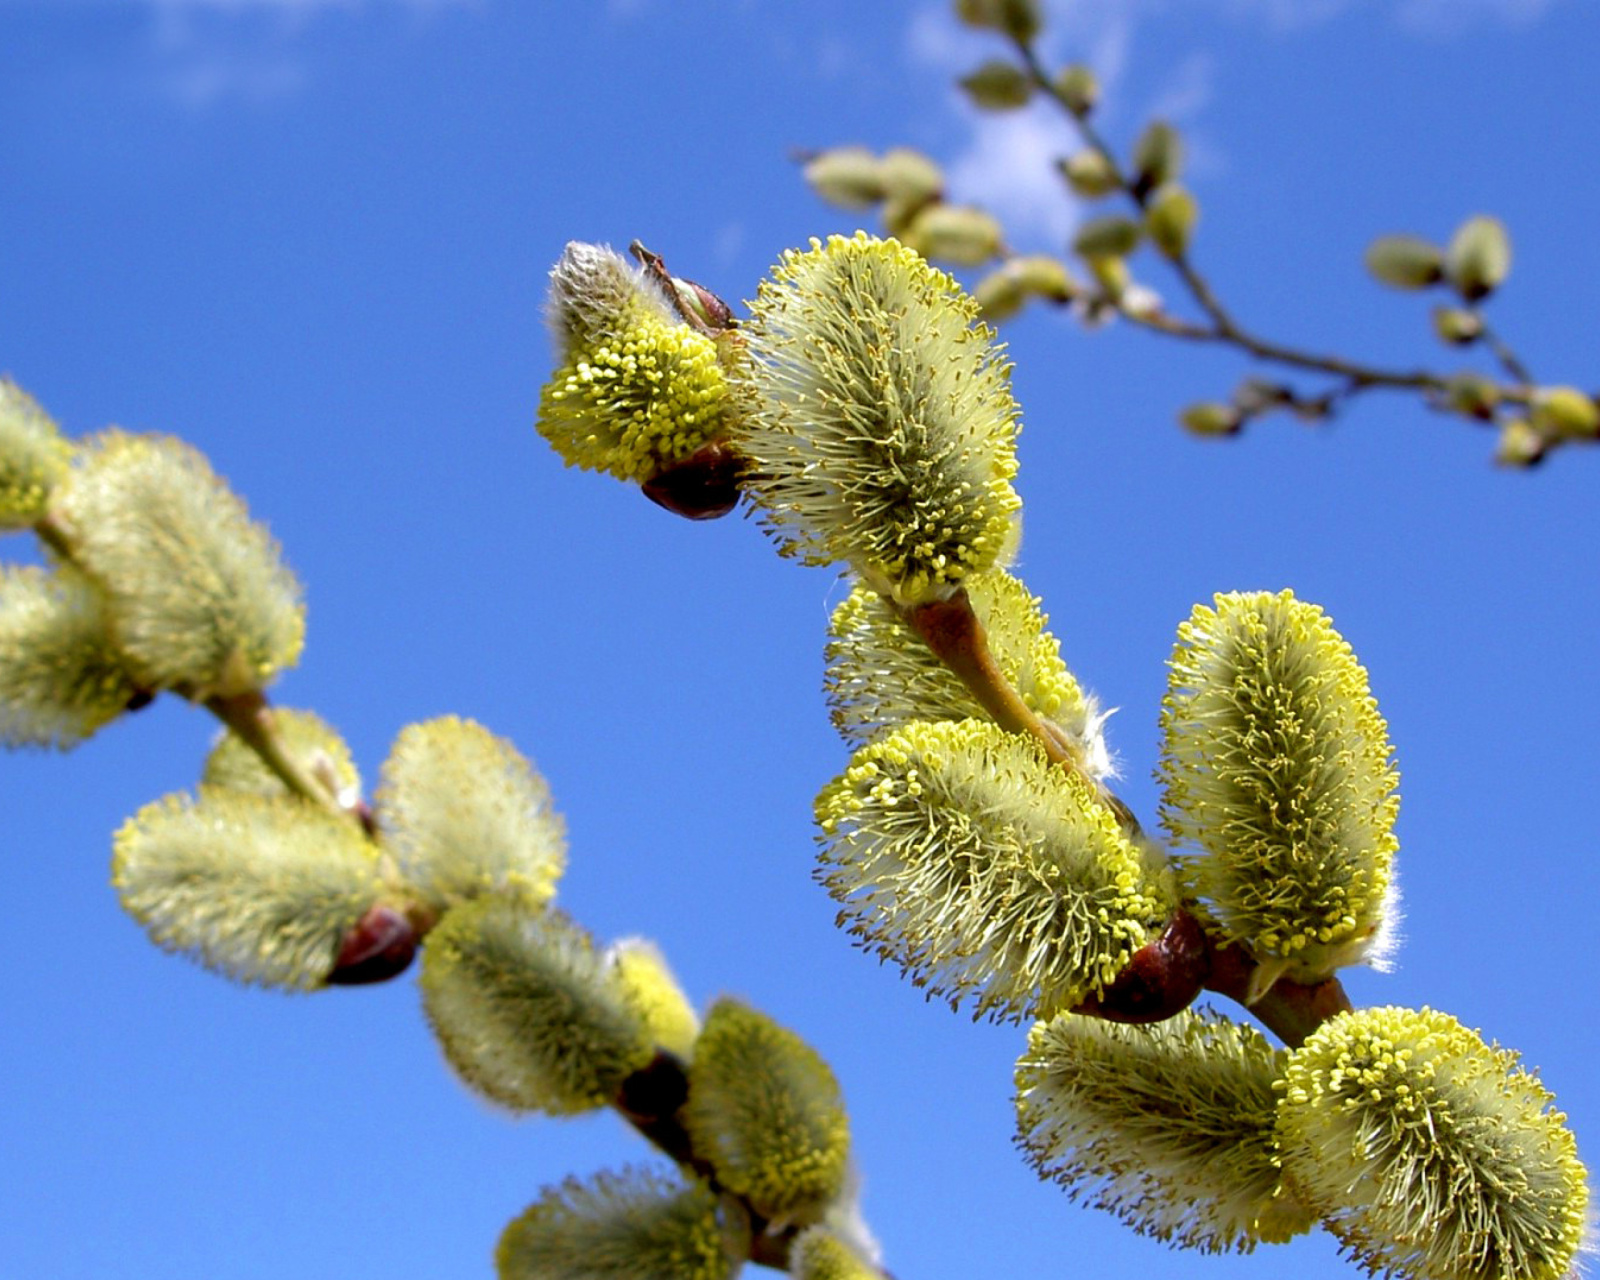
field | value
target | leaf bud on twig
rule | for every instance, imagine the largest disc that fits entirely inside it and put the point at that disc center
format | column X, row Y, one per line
column 1478, row 258
column 1090, row 173
column 1157, row 157
column 1405, row 262
column 1078, row 88
column 998, row 85
column 1564, row 413
column 1170, row 218
column 850, row 177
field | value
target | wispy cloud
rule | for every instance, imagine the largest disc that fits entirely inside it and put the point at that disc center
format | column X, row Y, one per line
column 198, row 52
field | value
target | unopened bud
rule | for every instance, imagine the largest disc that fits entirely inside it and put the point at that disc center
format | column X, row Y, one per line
column 998, row 86
column 1521, row 444
column 1112, row 236
column 1479, row 257
column 704, row 486
column 1565, row 412
column 1405, row 262
column 1090, row 173
column 1170, row 217
column 850, row 177
column 1046, row 277
column 910, row 175
column 1211, row 418
column 1111, row 274
column 1457, row 326
column 1000, row 294
column 960, row 234
column 1078, row 89
column 379, row 946
column 1473, row 395
column 1162, row 979
column 1019, row 19
column 1157, row 156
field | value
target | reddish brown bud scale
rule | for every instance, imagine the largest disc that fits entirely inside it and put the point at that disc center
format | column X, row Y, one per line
column 1162, row 979
column 379, row 946
column 703, row 486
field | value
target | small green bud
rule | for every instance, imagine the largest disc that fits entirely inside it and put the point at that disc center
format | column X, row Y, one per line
column 1457, row 326
column 1019, row 19
column 1090, row 173
column 960, row 234
column 1212, row 418
column 620, row 1226
column 1170, row 217
column 1405, row 262
column 1157, row 156
column 1565, row 413
column 998, row 85
column 1521, row 444
column 34, row 457
column 908, row 175
column 1479, row 257
column 1429, row 1153
column 1112, row 275
column 1046, row 277
column 1078, row 88
column 1110, row 236
column 1473, row 395
column 899, row 212
column 1000, row 295
column 850, row 177
column 766, row 1111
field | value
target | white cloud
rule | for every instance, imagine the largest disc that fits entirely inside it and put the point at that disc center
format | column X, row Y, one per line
column 205, row 51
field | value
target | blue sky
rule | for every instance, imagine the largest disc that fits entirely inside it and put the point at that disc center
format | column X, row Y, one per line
column 312, row 237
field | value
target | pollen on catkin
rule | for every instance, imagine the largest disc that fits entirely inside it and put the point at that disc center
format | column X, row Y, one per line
column 818, row 1254
column 880, row 424
column 465, row 814
column 766, row 1111
column 619, row 1226
column 260, row 888
column 992, row 876
column 881, row 675
column 648, row 982
column 233, row 764
column 1277, row 766
column 1430, row 1154
column 1169, row 1126
column 527, row 1011
column 636, row 388
column 198, row 596
column 34, row 457
column 61, row 677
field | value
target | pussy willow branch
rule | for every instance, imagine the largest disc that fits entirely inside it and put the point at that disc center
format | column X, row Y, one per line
column 1223, row 327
